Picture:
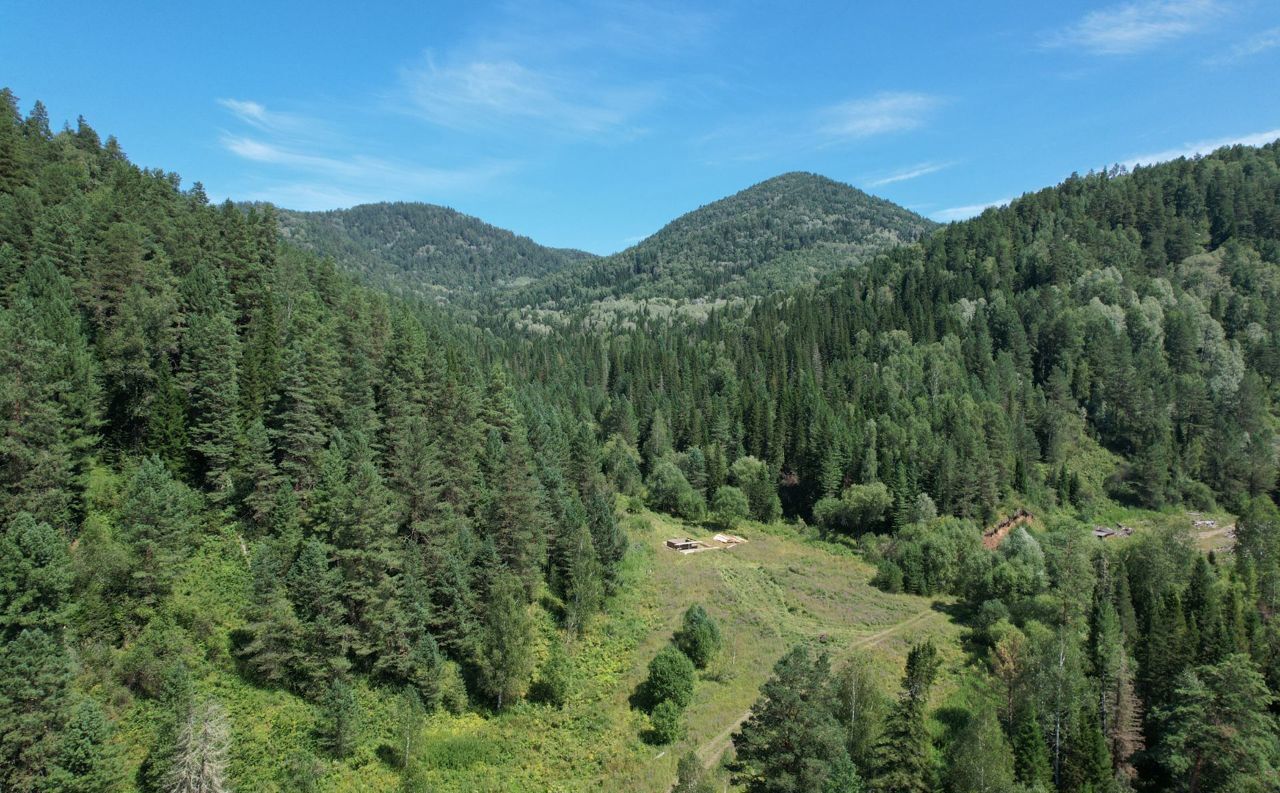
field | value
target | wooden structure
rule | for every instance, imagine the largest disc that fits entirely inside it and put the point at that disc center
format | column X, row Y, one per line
column 1106, row 532
column 716, row 543
column 685, row 544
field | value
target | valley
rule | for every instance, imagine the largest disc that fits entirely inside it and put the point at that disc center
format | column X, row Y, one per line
column 378, row 499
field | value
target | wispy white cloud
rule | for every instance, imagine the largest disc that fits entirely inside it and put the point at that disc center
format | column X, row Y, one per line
column 568, row 69
column 842, row 123
column 912, row 172
column 1136, row 27
column 877, row 115
column 1254, row 45
column 1204, row 147
column 324, row 172
column 479, row 94
column 259, row 117
column 965, row 212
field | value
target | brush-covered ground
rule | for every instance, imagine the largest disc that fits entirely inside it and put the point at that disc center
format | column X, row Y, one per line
column 778, row 589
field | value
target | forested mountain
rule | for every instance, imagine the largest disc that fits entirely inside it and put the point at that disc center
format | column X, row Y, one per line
column 1135, row 312
column 424, row 250
column 780, row 234
column 260, row 520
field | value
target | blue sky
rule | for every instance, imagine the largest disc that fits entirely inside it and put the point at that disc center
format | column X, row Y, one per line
column 592, row 124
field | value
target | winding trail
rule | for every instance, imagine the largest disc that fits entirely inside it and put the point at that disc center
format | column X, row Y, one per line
column 711, row 751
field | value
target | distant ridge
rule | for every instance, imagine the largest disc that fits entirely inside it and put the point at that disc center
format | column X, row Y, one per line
column 785, row 232
column 425, row 249
column 776, row 235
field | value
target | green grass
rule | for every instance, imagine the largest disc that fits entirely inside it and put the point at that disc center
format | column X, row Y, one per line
column 779, row 589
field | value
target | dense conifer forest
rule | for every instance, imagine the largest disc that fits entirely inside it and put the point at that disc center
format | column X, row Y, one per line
column 241, row 473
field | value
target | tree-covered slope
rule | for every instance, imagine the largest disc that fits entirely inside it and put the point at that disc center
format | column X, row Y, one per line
column 1135, row 311
column 249, row 504
column 780, row 234
column 424, row 250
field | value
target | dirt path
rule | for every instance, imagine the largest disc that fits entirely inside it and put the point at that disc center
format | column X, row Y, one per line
column 711, row 751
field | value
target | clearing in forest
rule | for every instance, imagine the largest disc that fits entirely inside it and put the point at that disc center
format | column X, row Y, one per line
column 770, row 593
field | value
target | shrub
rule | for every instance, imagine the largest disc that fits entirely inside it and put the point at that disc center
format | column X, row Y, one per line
column 760, row 487
column 670, row 492
column 888, row 577
column 555, row 678
column 729, row 506
column 666, row 723
column 671, row 675
column 453, row 689
column 691, row 777
column 699, row 637
column 860, row 508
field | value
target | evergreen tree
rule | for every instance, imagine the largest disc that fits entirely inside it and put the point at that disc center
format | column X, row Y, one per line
column 904, row 755
column 1030, row 750
column 339, row 724
column 791, row 742
column 87, row 761
column 210, row 351
column 1216, row 734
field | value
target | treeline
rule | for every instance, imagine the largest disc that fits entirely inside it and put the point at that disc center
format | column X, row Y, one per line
column 1132, row 317
column 175, row 381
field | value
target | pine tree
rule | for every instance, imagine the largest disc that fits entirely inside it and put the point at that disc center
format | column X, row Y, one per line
column 262, row 480
column 35, row 454
column 209, row 374
column 903, row 757
column 607, row 537
column 157, row 517
column 1030, row 750
column 1216, row 733
column 513, row 516
column 87, row 762
column 35, row 673
column 580, row 582
column 339, row 718
column 791, row 742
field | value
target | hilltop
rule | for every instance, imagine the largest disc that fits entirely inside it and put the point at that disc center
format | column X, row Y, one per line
column 782, row 233
column 424, row 250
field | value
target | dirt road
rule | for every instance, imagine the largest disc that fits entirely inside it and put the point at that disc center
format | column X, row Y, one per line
column 711, row 751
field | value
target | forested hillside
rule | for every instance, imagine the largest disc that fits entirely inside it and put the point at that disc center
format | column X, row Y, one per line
column 780, row 234
column 223, row 461
column 266, row 527
column 1136, row 313
column 1100, row 347
column 424, row 250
